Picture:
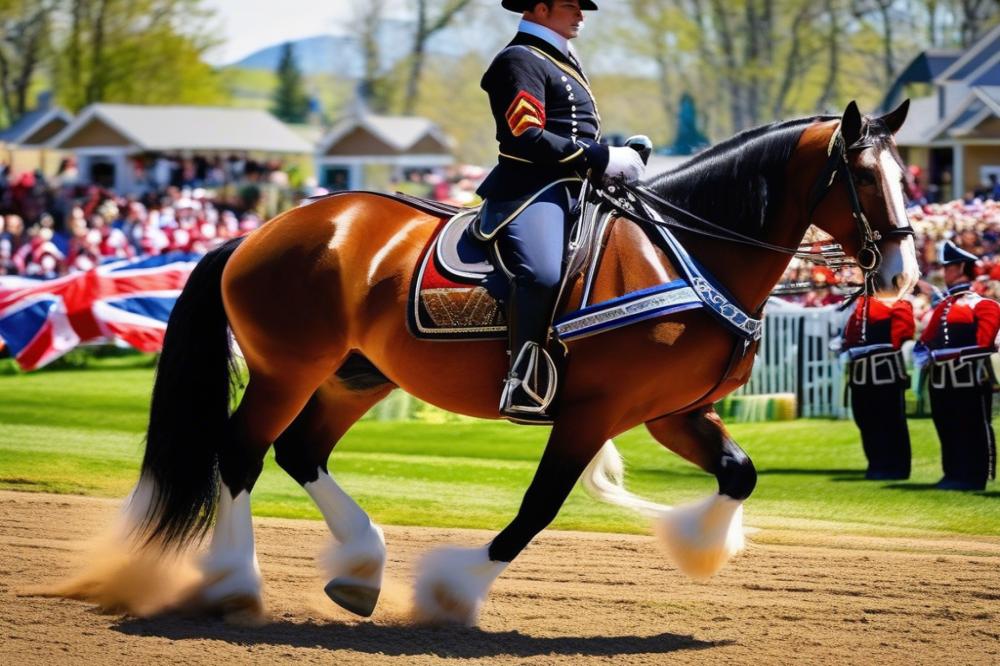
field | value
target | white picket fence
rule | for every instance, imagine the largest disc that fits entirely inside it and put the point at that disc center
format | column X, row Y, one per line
column 794, row 356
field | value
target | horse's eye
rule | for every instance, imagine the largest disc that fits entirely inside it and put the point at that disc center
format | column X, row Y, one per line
column 864, row 177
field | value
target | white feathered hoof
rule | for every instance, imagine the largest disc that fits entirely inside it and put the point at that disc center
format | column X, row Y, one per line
column 230, row 588
column 701, row 537
column 355, row 569
column 453, row 583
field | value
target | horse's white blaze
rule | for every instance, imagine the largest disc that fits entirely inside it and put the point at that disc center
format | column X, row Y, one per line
column 453, row 583
column 911, row 271
column 902, row 262
column 230, row 566
column 360, row 541
column 893, row 175
column 386, row 250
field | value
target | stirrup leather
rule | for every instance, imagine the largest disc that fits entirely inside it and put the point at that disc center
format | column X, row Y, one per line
column 524, row 375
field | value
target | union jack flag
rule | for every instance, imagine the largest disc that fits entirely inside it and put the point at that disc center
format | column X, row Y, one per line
column 123, row 301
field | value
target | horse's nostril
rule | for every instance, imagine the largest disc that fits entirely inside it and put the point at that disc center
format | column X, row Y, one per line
column 896, row 281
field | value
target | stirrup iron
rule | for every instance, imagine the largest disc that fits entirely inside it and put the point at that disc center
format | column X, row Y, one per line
column 531, row 360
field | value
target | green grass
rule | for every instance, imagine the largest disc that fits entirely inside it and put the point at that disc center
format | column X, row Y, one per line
column 80, row 431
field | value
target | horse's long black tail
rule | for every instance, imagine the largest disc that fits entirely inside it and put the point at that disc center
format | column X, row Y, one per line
column 189, row 413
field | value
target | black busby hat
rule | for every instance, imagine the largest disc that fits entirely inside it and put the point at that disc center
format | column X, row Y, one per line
column 953, row 254
column 526, row 5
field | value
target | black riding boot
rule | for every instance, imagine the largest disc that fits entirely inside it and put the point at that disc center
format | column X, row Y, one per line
column 531, row 383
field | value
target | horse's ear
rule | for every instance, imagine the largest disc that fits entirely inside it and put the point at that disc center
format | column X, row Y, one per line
column 894, row 119
column 850, row 123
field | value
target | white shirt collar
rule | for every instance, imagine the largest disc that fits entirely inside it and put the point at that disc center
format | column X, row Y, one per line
column 551, row 36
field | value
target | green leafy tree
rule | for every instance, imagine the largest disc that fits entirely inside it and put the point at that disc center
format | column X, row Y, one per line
column 432, row 16
column 291, row 103
column 24, row 40
column 135, row 51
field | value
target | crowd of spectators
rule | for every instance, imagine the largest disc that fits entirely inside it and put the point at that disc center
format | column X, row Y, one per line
column 57, row 225
column 50, row 227
column 972, row 223
column 454, row 185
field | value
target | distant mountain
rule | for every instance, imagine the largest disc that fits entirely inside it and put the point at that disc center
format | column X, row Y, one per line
column 323, row 54
column 343, row 55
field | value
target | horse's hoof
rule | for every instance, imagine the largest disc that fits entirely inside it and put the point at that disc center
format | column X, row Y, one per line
column 240, row 609
column 453, row 583
column 351, row 596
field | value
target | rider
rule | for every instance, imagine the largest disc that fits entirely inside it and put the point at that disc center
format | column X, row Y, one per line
column 548, row 128
column 960, row 336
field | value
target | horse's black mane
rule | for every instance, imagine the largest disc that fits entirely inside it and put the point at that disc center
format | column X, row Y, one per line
column 732, row 182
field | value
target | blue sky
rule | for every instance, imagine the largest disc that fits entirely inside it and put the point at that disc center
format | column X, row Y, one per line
column 248, row 25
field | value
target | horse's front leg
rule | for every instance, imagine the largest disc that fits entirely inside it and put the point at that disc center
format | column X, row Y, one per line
column 701, row 537
column 453, row 583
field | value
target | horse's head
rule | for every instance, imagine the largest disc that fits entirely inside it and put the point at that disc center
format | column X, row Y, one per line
column 859, row 198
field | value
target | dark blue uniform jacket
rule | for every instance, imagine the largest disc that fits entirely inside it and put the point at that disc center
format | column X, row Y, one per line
column 548, row 125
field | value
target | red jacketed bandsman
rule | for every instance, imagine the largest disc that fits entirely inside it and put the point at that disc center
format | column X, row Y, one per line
column 956, row 346
column 878, row 380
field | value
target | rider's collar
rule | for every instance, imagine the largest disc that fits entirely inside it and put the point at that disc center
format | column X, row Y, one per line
column 961, row 286
column 550, row 36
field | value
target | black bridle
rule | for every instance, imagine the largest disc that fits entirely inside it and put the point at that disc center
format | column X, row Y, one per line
column 869, row 258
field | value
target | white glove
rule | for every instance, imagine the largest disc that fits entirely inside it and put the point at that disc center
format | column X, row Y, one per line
column 624, row 162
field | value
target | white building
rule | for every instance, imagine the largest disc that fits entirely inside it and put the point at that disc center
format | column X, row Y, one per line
column 346, row 154
column 110, row 141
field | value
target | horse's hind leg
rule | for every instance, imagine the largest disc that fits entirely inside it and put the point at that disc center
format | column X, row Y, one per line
column 702, row 537
column 232, row 579
column 357, row 559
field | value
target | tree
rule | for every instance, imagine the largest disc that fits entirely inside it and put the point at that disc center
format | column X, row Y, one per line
column 134, row 51
column 23, row 47
column 291, row 103
column 372, row 90
column 426, row 27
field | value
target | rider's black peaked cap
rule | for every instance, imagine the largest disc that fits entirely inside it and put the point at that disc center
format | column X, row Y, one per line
column 953, row 254
column 526, row 5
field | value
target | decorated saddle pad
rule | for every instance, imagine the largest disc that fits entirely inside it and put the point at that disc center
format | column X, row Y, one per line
column 457, row 292
column 460, row 286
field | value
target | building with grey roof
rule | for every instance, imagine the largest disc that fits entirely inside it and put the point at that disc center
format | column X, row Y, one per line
column 110, row 140
column 346, row 155
column 953, row 134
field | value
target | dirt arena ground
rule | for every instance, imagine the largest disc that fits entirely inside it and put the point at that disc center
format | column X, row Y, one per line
column 795, row 596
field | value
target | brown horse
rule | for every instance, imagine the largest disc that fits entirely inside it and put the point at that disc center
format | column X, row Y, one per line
column 317, row 298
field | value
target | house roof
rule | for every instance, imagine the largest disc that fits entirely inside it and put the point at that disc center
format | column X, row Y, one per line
column 921, row 119
column 27, row 125
column 973, row 58
column 981, row 104
column 988, row 74
column 169, row 128
column 400, row 133
column 924, row 68
column 991, row 96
